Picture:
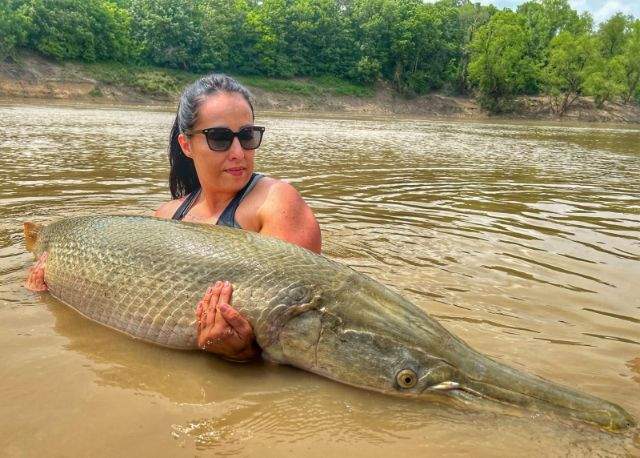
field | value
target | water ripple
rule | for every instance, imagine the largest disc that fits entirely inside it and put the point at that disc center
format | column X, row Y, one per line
column 516, row 236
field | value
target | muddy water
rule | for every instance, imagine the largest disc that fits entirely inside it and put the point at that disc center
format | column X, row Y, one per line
column 524, row 240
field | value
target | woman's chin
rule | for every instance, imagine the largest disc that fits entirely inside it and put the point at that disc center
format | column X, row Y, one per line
column 235, row 180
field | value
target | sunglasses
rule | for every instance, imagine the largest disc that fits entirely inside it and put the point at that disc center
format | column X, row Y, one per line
column 221, row 138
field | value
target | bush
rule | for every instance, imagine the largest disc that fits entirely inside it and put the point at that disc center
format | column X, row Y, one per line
column 14, row 27
column 87, row 30
column 156, row 82
column 603, row 81
column 367, row 70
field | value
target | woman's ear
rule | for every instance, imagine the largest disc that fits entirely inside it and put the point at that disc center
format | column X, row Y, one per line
column 185, row 144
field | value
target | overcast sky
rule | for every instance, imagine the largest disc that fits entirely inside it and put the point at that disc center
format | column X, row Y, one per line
column 601, row 10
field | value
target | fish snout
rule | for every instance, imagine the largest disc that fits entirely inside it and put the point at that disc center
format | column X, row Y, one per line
column 619, row 419
column 476, row 374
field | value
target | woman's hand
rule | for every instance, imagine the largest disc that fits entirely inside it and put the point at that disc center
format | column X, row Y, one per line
column 221, row 329
column 35, row 278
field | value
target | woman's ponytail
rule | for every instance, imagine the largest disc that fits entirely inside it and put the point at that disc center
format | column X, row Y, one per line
column 183, row 179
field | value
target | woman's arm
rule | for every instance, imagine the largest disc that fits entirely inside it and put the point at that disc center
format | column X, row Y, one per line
column 285, row 215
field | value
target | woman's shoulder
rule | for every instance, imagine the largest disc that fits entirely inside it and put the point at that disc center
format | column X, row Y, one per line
column 268, row 184
column 168, row 209
column 275, row 194
column 284, row 213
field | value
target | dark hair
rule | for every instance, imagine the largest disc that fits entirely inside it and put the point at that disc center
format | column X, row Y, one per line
column 182, row 176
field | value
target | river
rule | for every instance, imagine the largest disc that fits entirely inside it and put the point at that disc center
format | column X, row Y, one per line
column 521, row 238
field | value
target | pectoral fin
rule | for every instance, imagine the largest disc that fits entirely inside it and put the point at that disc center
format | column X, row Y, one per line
column 31, row 233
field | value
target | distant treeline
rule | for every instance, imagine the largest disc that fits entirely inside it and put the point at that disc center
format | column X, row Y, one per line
column 455, row 46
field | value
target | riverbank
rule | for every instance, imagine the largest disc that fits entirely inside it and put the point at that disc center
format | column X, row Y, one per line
column 31, row 76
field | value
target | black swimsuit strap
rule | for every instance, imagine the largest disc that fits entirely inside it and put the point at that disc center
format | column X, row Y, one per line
column 186, row 205
column 228, row 215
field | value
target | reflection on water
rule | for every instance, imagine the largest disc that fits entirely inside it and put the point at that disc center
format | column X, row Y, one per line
column 524, row 240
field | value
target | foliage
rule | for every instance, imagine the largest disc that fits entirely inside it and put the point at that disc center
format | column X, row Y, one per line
column 368, row 70
column 603, row 80
column 168, row 31
column 471, row 16
column 14, row 27
column 407, row 42
column 500, row 66
column 15, row 24
column 301, row 38
column 567, row 68
column 545, row 19
column 612, row 34
column 228, row 41
column 629, row 62
column 86, row 30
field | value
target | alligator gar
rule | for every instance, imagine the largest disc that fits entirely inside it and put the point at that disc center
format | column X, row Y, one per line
column 144, row 276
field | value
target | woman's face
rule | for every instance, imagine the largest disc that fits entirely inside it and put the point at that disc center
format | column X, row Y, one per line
column 223, row 171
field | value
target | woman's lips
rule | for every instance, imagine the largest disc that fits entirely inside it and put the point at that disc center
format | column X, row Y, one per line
column 235, row 171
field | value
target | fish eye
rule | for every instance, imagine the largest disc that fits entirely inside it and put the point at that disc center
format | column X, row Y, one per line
column 406, row 378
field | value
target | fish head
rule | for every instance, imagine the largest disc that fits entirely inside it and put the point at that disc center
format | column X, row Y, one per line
column 374, row 339
column 370, row 337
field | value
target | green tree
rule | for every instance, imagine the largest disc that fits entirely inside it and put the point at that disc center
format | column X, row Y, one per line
column 270, row 21
column 420, row 51
column 603, row 80
column 545, row 19
column 227, row 39
column 15, row 24
column 411, row 44
column 324, row 43
column 629, row 61
column 302, row 38
column 567, row 68
column 499, row 65
column 442, row 47
column 87, row 30
column 471, row 16
column 612, row 34
column 373, row 38
column 415, row 45
column 168, row 32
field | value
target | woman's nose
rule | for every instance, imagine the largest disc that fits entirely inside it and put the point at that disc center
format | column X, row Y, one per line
column 235, row 150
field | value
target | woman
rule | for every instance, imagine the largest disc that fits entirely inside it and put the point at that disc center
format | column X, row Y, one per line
column 211, row 154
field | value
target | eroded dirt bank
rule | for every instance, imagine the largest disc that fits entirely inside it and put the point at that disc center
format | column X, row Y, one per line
column 31, row 76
